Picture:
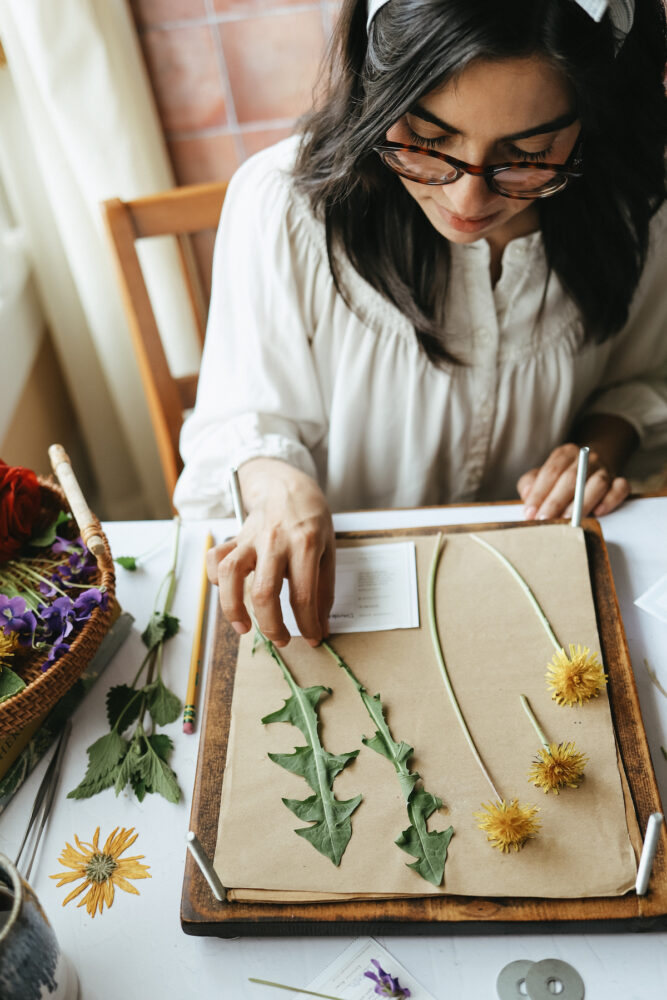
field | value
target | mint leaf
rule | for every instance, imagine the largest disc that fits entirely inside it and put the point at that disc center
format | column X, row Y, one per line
column 157, row 774
column 332, row 828
column 104, row 757
column 10, row 683
column 162, row 744
column 162, row 626
column 163, row 705
column 127, row 562
column 123, row 706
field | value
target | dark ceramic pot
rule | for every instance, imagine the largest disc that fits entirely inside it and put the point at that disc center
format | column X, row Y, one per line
column 32, row 966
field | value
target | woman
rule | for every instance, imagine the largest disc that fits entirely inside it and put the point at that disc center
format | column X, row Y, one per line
column 450, row 281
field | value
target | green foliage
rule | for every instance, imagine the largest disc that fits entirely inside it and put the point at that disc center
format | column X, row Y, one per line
column 430, row 849
column 162, row 626
column 48, row 536
column 10, row 683
column 332, row 828
column 140, row 760
column 127, row 562
column 163, row 704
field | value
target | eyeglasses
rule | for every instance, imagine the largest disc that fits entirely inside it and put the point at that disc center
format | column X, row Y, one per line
column 520, row 179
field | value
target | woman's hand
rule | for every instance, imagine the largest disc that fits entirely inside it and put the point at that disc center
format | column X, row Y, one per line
column 548, row 491
column 288, row 532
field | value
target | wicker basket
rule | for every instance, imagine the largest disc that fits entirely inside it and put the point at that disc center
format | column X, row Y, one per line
column 44, row 688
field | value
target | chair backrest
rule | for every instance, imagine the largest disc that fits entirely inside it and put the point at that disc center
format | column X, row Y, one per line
column 179, row 212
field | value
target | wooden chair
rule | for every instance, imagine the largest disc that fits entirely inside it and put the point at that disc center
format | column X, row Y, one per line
column 180, row 213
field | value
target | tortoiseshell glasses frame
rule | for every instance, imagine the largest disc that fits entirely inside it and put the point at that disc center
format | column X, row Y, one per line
column 516, row 182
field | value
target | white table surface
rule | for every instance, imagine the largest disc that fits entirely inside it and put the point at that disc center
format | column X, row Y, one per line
column 137, row 948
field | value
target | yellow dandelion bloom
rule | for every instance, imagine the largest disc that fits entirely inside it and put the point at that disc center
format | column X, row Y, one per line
column 101, row 869
column 7, row 645
column 558, row 767
column 575, row 678
column 507, row 824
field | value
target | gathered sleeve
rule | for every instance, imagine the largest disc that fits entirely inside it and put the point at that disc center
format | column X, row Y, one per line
column 258, row 392
column 634, row 382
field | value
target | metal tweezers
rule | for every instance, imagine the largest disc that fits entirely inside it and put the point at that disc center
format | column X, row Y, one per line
column 44, row 798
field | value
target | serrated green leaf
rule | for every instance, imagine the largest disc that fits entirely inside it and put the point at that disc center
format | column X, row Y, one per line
column 138, row 786
column 163, row 704
column 127, row 562
column 123, row 705
column 10, row 683
column 332, row 829
column 104, row 757
column 157, row 774
column 430, row 849
column 162, row 626
column 162, row 744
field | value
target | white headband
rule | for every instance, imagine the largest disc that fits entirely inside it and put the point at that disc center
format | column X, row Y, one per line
column 621, row 12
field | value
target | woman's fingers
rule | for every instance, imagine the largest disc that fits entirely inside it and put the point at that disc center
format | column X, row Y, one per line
column 304, row 584
column 616, row 494
column 231, row 575
column 547, row 496
column 326, row 584
column 265, row 595
column 215, row 555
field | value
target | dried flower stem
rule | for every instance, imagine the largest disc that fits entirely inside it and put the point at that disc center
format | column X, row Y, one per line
column 435, row 636
column 524, row 586
column 294, row 989
column 654, row 677
column 538, row 729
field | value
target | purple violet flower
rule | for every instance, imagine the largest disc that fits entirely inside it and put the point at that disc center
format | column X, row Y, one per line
column 57, row 619
column 14, row 617
column 86, row 603
column 57, row 650
column 386, row 985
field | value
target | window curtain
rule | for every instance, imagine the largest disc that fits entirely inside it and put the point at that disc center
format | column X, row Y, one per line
column 84, row 128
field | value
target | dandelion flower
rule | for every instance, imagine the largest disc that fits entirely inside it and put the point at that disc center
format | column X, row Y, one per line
column 559, row 766
column 8, row 644
column 507, row 824
column 575, row 678
column 102, row 869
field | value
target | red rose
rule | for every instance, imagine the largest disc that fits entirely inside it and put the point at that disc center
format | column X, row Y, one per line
column 20, row 505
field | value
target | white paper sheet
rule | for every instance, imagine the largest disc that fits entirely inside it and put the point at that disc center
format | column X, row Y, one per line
column 376, row 590
column 654, row 600
column 344, row 977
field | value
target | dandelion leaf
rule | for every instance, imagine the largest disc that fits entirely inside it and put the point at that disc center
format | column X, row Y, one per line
column 384, row 743
column 430, row 849
column 332, row 829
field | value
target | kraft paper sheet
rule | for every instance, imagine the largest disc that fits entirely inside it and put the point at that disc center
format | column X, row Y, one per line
column 496, row 649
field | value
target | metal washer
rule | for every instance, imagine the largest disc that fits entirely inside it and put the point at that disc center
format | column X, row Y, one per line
column 510, row 978
column 542, row 973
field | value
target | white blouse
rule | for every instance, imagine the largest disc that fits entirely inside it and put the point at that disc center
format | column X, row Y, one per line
column 290, row 371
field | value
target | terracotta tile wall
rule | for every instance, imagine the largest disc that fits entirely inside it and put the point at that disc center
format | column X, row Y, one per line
column 229, row 77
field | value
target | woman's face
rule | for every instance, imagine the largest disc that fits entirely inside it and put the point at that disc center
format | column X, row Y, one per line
column 492, row 112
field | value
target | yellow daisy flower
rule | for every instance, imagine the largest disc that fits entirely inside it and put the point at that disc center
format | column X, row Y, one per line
column 558, row 767
column 101, row 869
column 575, row 678
column 507, row 824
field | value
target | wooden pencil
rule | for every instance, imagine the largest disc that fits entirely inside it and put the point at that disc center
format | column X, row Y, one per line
column 190, row 710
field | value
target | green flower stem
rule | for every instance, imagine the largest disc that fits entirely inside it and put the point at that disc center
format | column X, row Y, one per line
column 537, row 727
column 293, row 989
column 374, row 709
column 524, row 586
column 437, row 646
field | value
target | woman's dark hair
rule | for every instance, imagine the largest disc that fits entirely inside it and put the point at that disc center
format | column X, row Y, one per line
column 595, row 232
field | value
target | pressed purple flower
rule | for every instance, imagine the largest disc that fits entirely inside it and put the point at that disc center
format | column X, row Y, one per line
column 15, row 617
column 57, row 650
column 386, row 985
column 86, row 603
column 47, row 589
column 57, row 619
column 63, row 545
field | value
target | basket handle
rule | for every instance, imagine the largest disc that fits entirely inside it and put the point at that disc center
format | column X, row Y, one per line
column 84, row 517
